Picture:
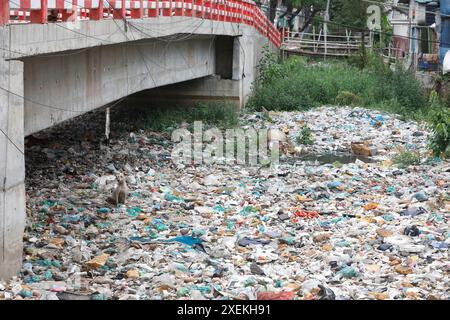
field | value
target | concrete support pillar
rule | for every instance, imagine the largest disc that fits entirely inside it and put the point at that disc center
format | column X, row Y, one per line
column 12, row 161
column 239, row 69
column 247, row 52
column 237, row 59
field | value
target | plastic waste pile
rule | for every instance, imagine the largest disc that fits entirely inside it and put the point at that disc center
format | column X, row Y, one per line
column 345, row 226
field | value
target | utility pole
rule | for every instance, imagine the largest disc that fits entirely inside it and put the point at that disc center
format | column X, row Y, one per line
column 325, row 26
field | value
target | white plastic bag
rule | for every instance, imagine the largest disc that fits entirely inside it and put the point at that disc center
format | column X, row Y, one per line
column 446, row 64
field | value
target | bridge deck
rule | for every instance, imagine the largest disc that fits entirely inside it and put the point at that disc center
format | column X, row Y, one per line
column 134, row 13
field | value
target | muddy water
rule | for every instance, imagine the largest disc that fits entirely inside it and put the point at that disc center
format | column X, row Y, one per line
column 327, row 158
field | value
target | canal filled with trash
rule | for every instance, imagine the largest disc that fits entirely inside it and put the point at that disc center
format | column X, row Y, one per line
column 337, row 219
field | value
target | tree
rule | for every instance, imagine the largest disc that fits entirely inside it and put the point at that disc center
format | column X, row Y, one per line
column 352, row 14
column 310, row 8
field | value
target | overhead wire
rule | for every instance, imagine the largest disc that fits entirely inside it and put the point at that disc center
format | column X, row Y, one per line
column 184, row 37
column 12, row 142
column 362, row 29
column 399, row 6
column 82, row 111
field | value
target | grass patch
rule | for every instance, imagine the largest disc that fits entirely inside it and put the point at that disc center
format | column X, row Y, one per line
column 167, row 118
column 406, row 159
column 305, row 137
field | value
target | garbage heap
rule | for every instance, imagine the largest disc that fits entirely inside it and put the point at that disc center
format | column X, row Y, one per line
column 337, row 219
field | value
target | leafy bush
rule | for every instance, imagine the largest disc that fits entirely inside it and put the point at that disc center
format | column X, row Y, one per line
column 406, row 159
column 300, row 84
column 269, row 68
column 305, row 136
column 439, row 124
column 347, row 98
column 401, row 86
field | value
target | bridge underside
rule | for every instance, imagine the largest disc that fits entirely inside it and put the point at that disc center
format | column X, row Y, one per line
column 49, row 74
column 85, row 81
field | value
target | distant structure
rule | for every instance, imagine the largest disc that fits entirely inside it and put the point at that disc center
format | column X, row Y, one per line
column 421, row 32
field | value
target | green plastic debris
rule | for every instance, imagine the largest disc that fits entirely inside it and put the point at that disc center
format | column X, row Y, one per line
column 103, row 225
column 26, row 293
column 288, row 240
column 435, row 217
column 247, row 210
column 202, row 289
column 150, row 232
column 98, row 296
column 348, row 272
column 171, row 197
column 49, row 263
column 32, row 279
column 219, row 209
column 44, row 210
column 181, row 267
column 198, row 232
column 104, row 210
column 48, row 275
column 250, row 282
column 134, row 212
column 336, row 220
column 183, row 291
column 49, row 203
column 161, row 227
column 342, row 243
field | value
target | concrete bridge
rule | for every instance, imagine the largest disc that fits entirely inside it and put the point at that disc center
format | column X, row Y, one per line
column 62, row 58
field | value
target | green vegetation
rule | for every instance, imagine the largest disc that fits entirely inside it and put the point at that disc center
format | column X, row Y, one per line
column 167, row 118
column 439, row 125
column 347, row 98
column 406, row 159
column 305, row 137
column 301, row 84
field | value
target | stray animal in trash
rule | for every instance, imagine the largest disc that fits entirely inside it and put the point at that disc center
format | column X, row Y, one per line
column 120, row 193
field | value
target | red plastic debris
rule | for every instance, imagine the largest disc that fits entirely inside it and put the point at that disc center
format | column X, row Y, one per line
column 284, row 295
column 306, row 214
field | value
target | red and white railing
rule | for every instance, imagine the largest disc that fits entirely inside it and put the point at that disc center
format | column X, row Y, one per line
column 234, row 11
